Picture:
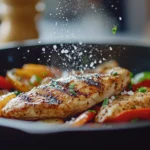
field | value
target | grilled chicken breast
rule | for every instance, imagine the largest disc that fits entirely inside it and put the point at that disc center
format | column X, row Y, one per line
column 123, row 103
column 65, row 97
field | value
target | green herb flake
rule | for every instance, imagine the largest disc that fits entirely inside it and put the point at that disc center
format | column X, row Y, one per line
column 114, row 73
column 105, row 102
column 38, row 79
column 134, row 120
column 142, row 89
column 92, row 111
column 71, row 89
column 71, row 86
column 114, row 30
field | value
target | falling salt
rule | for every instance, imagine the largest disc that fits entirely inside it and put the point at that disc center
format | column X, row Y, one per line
column 28, row 51
column 18, row 48
column 80, row 53
column 110, row 48
column 120, row 18
column 92, row 64
column 104, row 58
column 54, row 47
column 74, row 47
column 100, row 61
column 39, row 42
column 38, row 59
column 43, row 49
column 66, row 51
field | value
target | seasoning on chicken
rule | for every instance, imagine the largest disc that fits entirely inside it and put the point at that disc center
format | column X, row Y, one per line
column 65, row 97
column 127, row 106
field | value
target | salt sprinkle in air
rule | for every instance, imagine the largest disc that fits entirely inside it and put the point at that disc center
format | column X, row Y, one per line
column 120, row 18
column 92, row 64
column 43, row 49
column 54, row 47
column 110, row 48
column 100, row 61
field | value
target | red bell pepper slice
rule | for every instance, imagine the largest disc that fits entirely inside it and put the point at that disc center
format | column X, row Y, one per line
column 145, row 83
column 84, row 118
column 4, row 84
column 127, row 116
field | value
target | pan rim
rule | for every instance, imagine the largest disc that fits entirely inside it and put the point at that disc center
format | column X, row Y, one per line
column 9, row 123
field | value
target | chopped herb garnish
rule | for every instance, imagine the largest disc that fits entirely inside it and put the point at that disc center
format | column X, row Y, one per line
column 92, row 111
column 114, row 73
column 71, row 86
column 17, row 93
column 105, row 102
column 71, row 89
column 142, row 90
column 38, row 79
column 134, row 120
column 131, row 75
column 114, row 30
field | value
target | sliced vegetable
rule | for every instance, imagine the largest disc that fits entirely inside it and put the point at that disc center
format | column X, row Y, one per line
column 4, row 83
column 127, row 116
column 22, row 86
column 5, row 99
column 84, row 118
column 42, row 70
column 23, row 73
column 145, row 83
column 141, row 77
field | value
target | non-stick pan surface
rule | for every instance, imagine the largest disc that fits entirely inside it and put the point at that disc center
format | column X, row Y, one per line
column 67, row 57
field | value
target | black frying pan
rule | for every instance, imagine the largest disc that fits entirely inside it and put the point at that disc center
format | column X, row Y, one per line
column 133, row 57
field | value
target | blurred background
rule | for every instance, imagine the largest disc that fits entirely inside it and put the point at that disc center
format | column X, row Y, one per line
column 57, row 20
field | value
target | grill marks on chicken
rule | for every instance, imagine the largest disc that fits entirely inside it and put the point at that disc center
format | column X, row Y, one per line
column 65, row 97
column 123, row 103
